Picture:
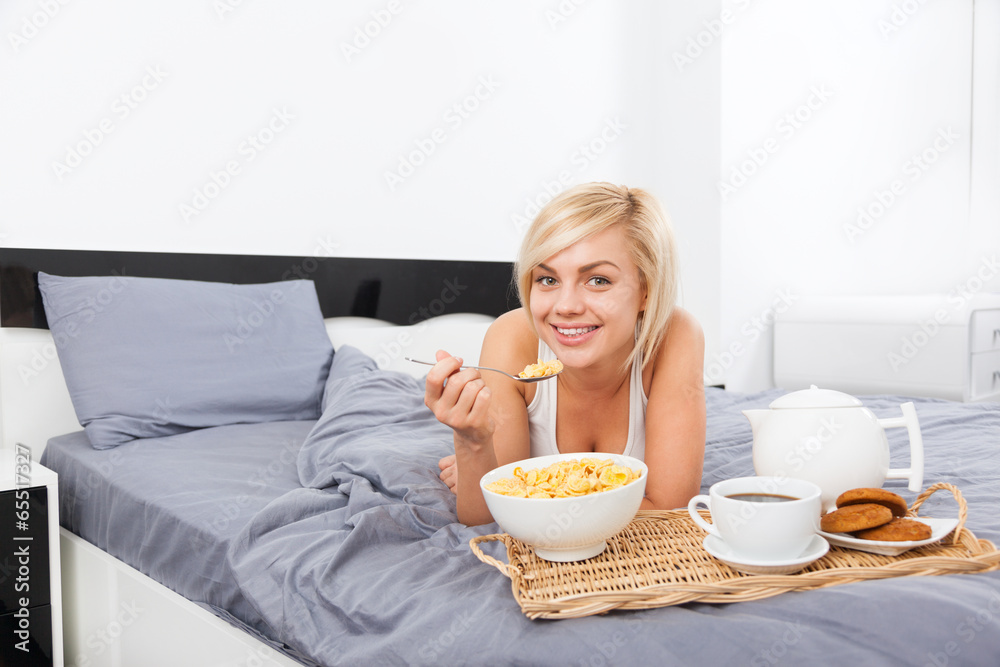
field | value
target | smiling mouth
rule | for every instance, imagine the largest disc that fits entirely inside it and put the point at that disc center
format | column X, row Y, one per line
column 577, row 331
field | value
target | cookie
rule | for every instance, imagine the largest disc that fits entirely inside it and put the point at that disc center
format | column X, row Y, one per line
column 855, row 517
column 893, row 501
column 897, row 530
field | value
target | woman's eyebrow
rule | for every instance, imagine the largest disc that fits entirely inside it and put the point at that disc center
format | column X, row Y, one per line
column 594, row 265
column 584, row 268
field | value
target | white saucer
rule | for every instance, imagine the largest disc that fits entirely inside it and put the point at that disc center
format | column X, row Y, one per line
column 939, row 529
column 816, row 549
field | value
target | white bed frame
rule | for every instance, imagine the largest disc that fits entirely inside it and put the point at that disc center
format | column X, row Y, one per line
column 113, row 615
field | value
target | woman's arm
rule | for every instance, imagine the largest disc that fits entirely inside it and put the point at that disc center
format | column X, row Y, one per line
column 487, row 413
column 675, row 416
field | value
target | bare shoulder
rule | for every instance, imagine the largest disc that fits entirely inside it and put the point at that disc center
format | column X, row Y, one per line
column 510, row 343
column 682, row 349
column 683, row 326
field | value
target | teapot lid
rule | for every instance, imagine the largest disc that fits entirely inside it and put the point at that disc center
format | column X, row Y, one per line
column 814, row 397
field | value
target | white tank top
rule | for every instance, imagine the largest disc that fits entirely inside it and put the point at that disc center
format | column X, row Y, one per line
column 542, row 412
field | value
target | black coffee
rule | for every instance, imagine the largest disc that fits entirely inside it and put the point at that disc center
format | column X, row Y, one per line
column 761, row 497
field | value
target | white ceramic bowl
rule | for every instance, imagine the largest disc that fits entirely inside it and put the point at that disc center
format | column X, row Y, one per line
column 566, row 529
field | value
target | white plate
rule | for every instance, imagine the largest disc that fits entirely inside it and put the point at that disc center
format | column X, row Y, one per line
column 939, row 529
column 817, row 549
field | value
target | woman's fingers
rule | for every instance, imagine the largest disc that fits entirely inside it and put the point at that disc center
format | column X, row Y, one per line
column 480, row 412
column 458, row 398
column 436, row 377
column 465, row 391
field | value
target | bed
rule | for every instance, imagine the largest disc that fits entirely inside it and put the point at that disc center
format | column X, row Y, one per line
column 328, row 539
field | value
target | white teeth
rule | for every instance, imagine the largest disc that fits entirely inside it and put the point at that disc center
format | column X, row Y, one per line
column 575, row 332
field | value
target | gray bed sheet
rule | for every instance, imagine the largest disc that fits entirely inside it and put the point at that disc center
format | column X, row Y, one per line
column 365, row 564
column 352, row 554
column 170, row 506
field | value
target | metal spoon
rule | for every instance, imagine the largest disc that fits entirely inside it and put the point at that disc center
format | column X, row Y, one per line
column 495, row 370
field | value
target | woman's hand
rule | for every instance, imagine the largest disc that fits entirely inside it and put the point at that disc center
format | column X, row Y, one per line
column 487, row 418
column 449, row 472
column 459, row 399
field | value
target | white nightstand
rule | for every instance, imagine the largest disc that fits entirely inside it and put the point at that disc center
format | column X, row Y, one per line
column 945, row 346
column 30, row 582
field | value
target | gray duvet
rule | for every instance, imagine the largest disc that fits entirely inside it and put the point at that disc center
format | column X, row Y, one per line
column 365, row 563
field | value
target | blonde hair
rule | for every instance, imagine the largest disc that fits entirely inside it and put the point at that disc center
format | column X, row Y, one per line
column 585, row 210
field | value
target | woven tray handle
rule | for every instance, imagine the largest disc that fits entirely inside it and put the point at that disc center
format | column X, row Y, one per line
column 963, row 507
column 490, row 560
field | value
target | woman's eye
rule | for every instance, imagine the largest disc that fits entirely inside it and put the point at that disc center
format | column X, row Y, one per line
column 599, row 281
column 546, row 281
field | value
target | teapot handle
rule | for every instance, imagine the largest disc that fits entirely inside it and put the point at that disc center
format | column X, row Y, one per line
column 915, row 473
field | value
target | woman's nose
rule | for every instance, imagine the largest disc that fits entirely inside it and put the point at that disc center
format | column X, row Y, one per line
column 570, row 302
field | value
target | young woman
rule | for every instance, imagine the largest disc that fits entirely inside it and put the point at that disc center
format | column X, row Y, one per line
column 597, row 279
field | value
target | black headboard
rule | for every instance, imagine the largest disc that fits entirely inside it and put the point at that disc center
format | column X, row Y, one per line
column 403, row 291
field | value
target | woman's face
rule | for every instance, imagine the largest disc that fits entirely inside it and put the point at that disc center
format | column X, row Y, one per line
column 586, row 298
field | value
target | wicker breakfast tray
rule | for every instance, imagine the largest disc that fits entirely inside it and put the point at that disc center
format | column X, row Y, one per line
column 658, row 560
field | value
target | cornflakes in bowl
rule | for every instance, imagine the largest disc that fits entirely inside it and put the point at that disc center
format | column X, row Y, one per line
column 566, row 505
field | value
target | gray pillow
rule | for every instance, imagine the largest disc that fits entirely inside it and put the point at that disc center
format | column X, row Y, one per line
column 148, row 357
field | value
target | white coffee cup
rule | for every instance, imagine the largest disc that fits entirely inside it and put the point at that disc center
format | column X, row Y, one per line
column 775, row 520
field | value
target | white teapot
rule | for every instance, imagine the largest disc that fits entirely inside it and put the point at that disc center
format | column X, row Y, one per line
column 829, row 438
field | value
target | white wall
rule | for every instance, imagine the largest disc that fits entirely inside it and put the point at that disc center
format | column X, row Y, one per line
column 351, row 118
column 670, row 96
column 984, row 193
column 686, row 104
column 548, row 94
column 828, row 108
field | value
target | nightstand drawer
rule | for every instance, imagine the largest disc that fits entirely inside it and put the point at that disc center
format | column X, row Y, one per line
column 985, row 331
column 985, row 374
